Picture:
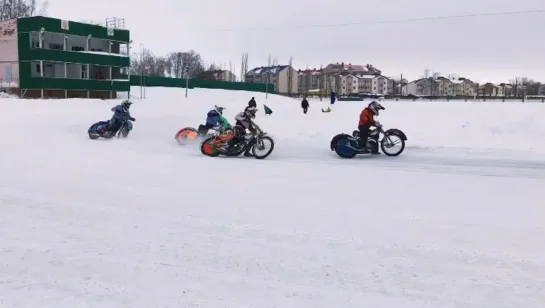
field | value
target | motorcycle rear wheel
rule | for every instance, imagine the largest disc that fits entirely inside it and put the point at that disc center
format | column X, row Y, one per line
column 208, row 148
column 186, row 134
column 343, row 149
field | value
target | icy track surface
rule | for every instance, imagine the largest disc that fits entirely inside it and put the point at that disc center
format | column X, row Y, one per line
column 456, row 221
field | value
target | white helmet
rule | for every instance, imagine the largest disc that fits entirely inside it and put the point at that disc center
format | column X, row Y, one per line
column 251, row 112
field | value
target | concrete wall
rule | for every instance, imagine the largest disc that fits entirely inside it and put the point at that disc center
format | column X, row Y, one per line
column 9, row 65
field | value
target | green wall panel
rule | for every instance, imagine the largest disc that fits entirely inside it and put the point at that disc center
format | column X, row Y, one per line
column 26, row 53
column 151, row 81
column 29, row 24
column 74, row 57
column 75, row 84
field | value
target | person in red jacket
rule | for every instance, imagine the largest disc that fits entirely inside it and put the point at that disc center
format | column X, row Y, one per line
column 367, row 119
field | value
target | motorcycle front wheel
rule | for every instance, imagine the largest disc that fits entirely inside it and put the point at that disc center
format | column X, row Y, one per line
column 392, row 145
column 260, row 150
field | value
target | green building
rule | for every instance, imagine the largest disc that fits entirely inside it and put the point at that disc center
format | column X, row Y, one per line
column 43, row 57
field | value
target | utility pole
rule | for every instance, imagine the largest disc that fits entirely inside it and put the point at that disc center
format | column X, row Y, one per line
column 186, row 71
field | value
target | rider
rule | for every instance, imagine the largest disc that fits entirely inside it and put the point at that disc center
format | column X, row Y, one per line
column 121, row 115
column 244, row 120
column 366, row 121
column 213, row 118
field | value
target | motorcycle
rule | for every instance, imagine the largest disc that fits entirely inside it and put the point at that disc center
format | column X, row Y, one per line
column 190, row 134
column 217, row 145
column 100, row 129
column 347, row 146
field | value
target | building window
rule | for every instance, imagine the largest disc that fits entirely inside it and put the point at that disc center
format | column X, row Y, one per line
column 83, row 71
column 38, row 68
column 78, row 48
column 56, row 46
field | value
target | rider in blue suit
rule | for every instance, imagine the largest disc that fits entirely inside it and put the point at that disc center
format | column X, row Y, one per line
column 121, row 115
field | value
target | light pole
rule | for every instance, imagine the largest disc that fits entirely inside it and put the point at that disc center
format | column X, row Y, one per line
column 186, row 72
column 266, row 85
column 141, row 70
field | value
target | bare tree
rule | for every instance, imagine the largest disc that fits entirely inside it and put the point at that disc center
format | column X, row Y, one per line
column 209, row 74
column 526, row 85
column 192, row 63
column 175, row 62
column 148, row 65
column 290, row 76
column 11, row 9
column 244, row 67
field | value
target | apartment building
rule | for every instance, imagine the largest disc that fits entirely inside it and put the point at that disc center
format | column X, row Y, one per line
column 355, row 69
column 382, row 85
column 284, row 77
column 48, row 57
column 490, row 89
column 365, row 84
column 309, row 80
column 440, row 86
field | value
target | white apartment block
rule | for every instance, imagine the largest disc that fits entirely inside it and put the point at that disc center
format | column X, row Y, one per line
column 440, row 87
column 368, row 84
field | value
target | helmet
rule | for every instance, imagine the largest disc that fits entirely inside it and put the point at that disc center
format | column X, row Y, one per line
column 219, row 109
column 375, row 107
column 126, row 104
column 251, row 111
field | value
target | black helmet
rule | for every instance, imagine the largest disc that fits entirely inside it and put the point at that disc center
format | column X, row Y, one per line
column 375, row 107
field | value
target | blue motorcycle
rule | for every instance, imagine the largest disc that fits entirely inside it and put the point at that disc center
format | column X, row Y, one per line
column 347, row 146
column 100, row 129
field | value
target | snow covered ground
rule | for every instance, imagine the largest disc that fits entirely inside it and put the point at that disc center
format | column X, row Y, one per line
column 455, row 221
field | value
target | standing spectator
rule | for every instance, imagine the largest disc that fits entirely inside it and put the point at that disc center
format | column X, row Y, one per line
column 304, row 105
column 252, row 103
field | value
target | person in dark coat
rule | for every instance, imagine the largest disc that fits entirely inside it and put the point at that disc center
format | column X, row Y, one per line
column 304, row 105
column 252, row 103
column 333, row 97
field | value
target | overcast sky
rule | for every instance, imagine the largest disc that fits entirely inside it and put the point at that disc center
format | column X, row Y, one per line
column 495, row 48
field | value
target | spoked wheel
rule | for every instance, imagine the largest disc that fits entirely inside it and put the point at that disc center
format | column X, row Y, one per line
column 92, row 132
column 263, row 147
column 343, row 149
column 186, row 134
column 208, row 148
column 392, row 145
column 123, row 132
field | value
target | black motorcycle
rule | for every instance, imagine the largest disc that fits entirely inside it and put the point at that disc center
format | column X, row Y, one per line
column 100, row 129
column 252, row 144
column 348, row 146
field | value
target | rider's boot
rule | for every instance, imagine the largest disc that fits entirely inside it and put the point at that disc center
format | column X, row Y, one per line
column 363, row 146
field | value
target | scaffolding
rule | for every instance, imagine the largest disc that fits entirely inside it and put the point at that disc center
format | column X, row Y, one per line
column 115, row 23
